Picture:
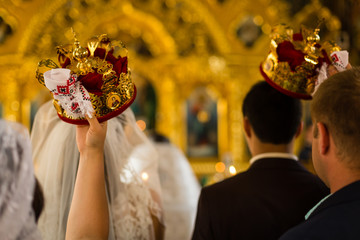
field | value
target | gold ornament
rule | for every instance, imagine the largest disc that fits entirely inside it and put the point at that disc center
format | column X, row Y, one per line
column 113, row 100
column 117, row 90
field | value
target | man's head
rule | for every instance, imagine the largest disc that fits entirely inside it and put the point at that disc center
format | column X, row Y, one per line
column 335, row 110
column 274, row 117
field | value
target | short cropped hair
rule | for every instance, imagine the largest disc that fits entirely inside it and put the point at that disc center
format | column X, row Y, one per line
column 274, row 117
column 336, row 104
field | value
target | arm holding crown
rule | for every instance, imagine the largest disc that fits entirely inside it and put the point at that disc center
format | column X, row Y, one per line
column 89, row 216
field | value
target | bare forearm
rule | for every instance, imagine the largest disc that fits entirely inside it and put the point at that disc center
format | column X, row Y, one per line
column 89, row 217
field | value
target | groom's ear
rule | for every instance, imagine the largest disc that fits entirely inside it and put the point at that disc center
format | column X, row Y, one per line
column 299, row 129
column 324, row 138
column 247, row 127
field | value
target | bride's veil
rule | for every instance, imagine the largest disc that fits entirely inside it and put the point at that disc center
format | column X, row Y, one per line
column 17, row 218
column 132, row 181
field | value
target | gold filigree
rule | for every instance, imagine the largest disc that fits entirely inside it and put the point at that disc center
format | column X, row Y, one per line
column 311, row 38
column 58, row 107
column 331, row 46
column 92, row 45
column 300, row 81
column 115, row 91
column 103, row 67
column 64, row 52
column 43, row 66
column 280, row 33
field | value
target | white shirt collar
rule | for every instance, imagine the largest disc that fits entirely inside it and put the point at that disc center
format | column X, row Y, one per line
column 273, row 155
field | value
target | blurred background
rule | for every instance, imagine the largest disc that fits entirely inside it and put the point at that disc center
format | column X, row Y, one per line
column 191, row 60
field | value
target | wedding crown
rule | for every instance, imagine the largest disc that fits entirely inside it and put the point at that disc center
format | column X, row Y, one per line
column 295, row 60
column 96, row 75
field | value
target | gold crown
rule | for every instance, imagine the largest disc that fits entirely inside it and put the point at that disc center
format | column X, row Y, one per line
column 294, row 61
column 102, row 68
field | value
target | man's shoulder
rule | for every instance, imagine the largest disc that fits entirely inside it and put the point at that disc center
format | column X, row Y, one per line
column 317, row 227
column 234, row 182
column 266, row 174
column 325, row 224
column 343, row 204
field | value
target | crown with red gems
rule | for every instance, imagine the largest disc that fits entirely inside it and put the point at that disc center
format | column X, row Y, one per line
column 101, row 70
column 294, row 61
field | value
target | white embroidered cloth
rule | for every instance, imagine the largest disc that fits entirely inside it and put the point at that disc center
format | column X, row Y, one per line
column 340, row 60
column 72, row 96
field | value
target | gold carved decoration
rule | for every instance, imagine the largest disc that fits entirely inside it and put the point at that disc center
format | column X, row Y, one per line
column 188, row 43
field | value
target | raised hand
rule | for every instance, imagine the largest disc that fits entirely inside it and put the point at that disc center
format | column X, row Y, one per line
column 91, row 136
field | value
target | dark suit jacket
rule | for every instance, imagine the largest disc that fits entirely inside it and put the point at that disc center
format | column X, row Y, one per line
column 273, row 195
column 338, row 217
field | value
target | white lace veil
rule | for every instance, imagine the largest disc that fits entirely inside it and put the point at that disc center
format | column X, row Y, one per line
column 180, row 191
column 17, row 218
column 132, row 200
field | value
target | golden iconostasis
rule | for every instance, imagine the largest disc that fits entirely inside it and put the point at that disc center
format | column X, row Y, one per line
column 192, row 61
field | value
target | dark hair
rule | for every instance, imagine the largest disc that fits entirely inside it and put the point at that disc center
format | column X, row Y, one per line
column 275, row 117
column 38, row 200
column 157, row 137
